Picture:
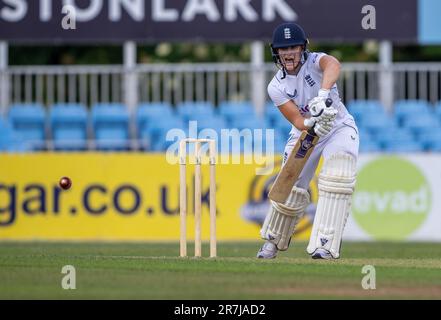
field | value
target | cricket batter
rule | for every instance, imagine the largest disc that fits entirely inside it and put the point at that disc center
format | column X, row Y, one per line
column 299, row 89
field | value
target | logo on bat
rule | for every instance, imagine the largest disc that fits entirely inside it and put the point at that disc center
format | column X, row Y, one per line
column 306, row 144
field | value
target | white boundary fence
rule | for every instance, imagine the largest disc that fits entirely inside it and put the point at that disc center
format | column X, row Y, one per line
column 214, row 82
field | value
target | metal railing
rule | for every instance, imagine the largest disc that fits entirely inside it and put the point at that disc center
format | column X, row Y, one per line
column 48, row 85
column 417, row 81
column 217, row 82
column 194, row 82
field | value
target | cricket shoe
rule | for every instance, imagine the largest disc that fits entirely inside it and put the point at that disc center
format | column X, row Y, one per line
column 268, row 251
column 322, row 254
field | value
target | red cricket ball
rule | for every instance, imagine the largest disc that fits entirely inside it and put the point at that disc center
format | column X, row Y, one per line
column 65, row 183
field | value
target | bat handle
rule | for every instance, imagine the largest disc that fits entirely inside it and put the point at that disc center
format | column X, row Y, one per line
column 328, row 104
column 311, row 131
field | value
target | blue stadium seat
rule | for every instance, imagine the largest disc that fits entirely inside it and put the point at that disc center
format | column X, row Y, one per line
column 269, row 124
column 215, row 123
column 255, row 142
column 272, row 113
column 283, row 126
column 6, row 134
column 258, row 144
column 10, row 141
column 156, row 132
column 163, row 145
column 435, row 147
column 202, row 119
column 398, row 140
column 280, row 141
column 411, row 146
column 69, row 126
column 150, row 112
column 111, row 127
column 251, row 141
column 365, row 135
column 360, row 108
column 29, row 121
column 368, row 142
column 369, row 146
column 385, row 134
column 244, row 141
column 409, row 108
column 195, row 110
column 145, row 140
column 374, row 122
column 233, row 110
column 418, row 122
column 430, row 138
column 437, row 110
column 249, row 122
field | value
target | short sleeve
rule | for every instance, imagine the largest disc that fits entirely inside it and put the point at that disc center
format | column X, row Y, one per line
column 276, row 94
column 315, row 58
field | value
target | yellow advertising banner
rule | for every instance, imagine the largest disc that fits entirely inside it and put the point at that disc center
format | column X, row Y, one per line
column 125, row 196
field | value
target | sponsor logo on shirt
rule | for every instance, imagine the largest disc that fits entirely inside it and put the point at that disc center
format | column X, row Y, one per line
column 292, row 96
column 309, row 80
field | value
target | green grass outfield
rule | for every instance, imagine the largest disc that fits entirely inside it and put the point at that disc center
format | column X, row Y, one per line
column 153, row 271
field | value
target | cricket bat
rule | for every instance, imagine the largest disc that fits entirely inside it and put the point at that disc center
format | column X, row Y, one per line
column 290, row 172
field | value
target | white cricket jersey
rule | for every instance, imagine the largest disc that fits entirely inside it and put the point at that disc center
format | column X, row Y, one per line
column 303, row 87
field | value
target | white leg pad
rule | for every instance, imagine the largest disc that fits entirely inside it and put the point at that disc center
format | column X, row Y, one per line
column 336, row 184
column 282, row 219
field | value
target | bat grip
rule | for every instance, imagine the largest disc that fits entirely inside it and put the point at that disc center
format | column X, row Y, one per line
column 328, row 104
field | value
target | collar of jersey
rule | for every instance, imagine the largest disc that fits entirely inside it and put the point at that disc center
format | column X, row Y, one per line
column 293, row 75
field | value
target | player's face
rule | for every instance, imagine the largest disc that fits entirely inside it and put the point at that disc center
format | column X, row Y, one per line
column 291, row 57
